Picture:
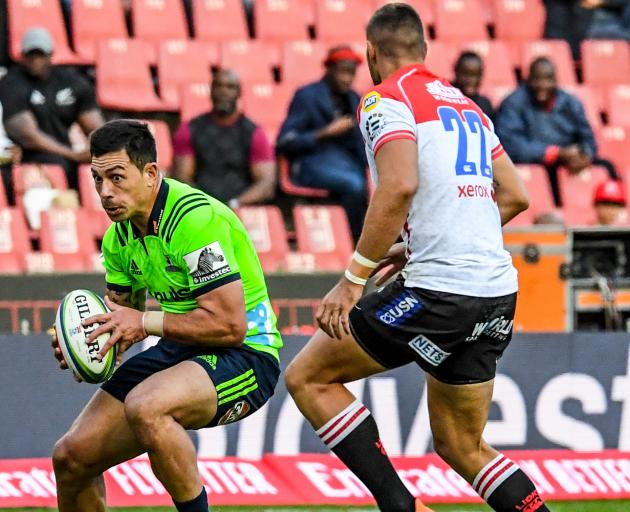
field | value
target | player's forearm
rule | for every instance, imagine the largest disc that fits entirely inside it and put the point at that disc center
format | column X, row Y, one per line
column 135, row 299
column 203, row 327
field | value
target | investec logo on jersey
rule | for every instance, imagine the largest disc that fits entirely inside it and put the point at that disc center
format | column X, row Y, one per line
column 399, row 309
column 445, row 93
column 207, row 263
column 498, row 328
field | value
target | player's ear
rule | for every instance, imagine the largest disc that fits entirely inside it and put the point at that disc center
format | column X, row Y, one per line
column 151, row 173
column 370, row 52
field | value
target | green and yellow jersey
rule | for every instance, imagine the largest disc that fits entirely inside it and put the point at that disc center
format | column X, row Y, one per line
column 194, row 244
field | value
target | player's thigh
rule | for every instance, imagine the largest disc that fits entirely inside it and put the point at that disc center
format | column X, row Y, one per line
column 100, row 437
column 183, row 391
column 325, row 360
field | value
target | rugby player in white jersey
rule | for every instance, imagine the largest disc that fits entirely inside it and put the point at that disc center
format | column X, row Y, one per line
column 445, row 184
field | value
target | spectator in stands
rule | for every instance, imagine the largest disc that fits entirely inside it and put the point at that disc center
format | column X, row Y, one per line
column 468, row 74
column 321, row 138
column 223, row 152
column 542, row 124
column 609, row 201
column 611, row 19
column 566, row 19
column 9, row 154
column 42, row 101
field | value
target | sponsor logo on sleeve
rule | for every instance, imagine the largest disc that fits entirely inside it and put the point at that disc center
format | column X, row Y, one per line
column 374, row 125
column 207, row 263
column 370, row 101
column 428, row 350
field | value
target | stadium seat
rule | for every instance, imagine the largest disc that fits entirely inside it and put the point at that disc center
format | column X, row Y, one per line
column 441, row 58
column 496, row 94
column 194, row 100
column 291, row 189
column 323, row 231
column 4, row 200
column 618, row 105
column 459, row 20
column 613, row 143
column 280, row 20
column 590, row 101
column 497, row 63
column 158, row 20
column 301, row 62
column 180, row 62
column 68, row 240
column 91, row 203
column 219, row 20
column 25, row 176
column 14, row 243
column 123, row 77
column 94, row 21
column 423, row 7
column 163, row 141
column 25, row 14
column 577, row 194
column 557, row 50
column 340, row 21
column 267, row 105
column 539, row 190
column 252, row 60
column 518, row 20
column 265, row 226
column 605, row 63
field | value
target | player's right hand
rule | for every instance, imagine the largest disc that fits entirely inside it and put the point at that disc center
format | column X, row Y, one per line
column 392, row 263
column 57, row 351
column 340, row 126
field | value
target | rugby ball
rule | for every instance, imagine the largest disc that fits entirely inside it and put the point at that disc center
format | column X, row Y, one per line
column 82, row 358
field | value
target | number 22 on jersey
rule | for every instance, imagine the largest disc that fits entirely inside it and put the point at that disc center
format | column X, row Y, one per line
column 452, row 120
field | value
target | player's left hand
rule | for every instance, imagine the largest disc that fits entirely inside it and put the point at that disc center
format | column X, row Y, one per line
column 124, row 324
column 332, row 314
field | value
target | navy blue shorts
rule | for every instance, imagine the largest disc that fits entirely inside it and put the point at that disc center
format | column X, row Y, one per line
column 243, row 377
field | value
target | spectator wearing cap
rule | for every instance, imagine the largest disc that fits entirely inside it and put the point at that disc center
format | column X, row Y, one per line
column 468, row 75
column 41, row 102
column 223, row 152
column 321, row 138
column 542, row 124
column 609, row 201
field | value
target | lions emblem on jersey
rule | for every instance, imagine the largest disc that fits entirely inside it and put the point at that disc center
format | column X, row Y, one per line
column 207, row 263
column 370, row 101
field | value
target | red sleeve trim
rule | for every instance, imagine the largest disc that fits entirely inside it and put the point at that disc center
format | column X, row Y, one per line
column 551, row 154
column 396, row 134
column 497, row 151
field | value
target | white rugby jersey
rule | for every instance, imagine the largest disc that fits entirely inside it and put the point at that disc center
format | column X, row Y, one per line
column 453, row 229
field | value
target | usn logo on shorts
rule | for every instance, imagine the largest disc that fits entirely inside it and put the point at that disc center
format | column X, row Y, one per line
column 428, row 350
column 398, row 310
column 207, row 263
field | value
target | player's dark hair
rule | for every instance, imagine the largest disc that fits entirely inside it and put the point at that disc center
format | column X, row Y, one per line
column 396, row 29
column 128, row 134
column 468, row 55
column 542, row 61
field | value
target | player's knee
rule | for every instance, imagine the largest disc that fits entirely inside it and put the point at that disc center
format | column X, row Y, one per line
column 141, row 412
column 294, row 379
column 68, row 462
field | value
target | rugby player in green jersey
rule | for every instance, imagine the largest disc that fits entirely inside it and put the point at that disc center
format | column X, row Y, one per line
column 217, row 358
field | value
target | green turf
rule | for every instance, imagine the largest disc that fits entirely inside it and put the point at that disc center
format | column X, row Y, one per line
column 560, row 506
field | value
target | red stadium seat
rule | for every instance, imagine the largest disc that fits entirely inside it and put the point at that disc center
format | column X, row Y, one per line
column 340, row 21
column 123, row 77
column 163, row 141
column 459, row 20
column 280, row 20
column 363, row 80
column 302, row 62
column 619, row 105
column 518, row 20
column 91, row 203
column 590, row 102
column 539, row 190
column 441, row 58
column 180, row 62
column 267, row 105
column 159, row 20
column 14, row 243
column 252, row 60
column 558, row 51
column 498, row 66
column 4, row 201
column 219, row 20
column 69, row 241
column 25, row 176
column 423, row 7
column 605, row 62
column 25, row 14
column 94, row 21
column 194, row 100
column 268, row 234
column 613, row 143
column 577, row 194
column 291, row 189
column 497, row 94
column 323, row 231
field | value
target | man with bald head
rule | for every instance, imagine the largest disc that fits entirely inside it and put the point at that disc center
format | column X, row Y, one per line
column 223, row 152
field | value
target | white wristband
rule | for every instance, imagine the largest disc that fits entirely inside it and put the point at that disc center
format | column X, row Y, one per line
column 153, row 322
column 362, row 260
column 354, row 279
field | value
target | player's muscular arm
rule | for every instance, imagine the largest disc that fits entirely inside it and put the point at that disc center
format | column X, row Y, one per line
column 398, row 180
column 135, row 300
column 509, row 190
